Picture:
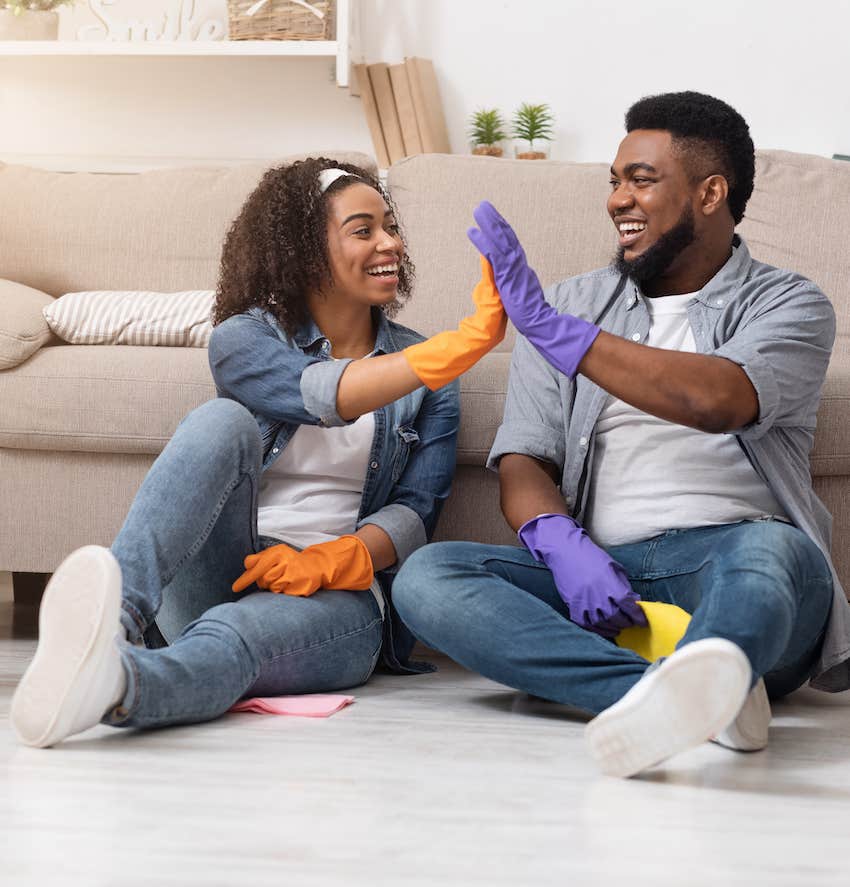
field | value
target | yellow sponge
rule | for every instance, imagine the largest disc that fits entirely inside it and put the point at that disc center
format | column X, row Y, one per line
column 666, row 626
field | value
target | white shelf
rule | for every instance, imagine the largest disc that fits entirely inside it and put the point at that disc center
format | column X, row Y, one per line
column 340, row 49
column 170, row 48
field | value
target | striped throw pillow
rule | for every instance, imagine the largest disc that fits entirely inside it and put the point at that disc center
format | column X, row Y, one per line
column 109, row 317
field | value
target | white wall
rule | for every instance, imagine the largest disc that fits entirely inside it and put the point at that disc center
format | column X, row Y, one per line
column 782, row 64
column 785, row 70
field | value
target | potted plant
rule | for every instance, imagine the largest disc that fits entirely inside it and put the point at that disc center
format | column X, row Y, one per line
column 486, row 129
column 533, row 129
column 30, row 19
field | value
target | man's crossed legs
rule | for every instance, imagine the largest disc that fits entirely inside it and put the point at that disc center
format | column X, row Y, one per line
column 759, row 591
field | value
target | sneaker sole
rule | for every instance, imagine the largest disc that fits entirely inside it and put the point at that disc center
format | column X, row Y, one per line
column 692, row 696
column 77, row 622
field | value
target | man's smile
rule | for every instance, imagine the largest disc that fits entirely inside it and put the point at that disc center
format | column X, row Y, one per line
column 630, row 230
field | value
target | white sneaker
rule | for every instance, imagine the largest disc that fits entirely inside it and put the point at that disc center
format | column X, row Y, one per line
column 691, row 696
column 748, row 732
column 76, row 674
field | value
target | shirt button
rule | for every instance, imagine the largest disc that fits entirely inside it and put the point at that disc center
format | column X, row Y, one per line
column 275, row 449
column 719, row 302
column 373, row 465
column 636, row 337
column 582, row 442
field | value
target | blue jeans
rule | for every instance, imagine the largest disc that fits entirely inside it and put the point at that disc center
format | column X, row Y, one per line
column 182, row 545
column 764, row 585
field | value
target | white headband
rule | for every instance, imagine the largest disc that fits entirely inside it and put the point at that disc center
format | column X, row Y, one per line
column 328, row 176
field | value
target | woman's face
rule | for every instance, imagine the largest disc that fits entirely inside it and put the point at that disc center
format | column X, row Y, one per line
column 364, row 246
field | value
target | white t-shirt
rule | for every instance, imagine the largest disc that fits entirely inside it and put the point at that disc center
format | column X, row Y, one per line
column 650, row 475
column 312, row 492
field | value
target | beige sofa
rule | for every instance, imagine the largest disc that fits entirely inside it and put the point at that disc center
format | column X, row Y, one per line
column 80, row 425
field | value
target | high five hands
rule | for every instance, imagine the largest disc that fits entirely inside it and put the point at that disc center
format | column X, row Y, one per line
column 562, row 339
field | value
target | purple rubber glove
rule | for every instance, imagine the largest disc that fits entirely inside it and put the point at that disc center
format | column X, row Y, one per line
column 591, row 584
column 561, row 338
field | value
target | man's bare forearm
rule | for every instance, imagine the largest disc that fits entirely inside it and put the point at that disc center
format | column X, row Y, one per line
column 528, row 487
column 712, row 394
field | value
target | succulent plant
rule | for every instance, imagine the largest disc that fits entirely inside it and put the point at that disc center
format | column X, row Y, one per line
column 533, row 122
column 486, row 127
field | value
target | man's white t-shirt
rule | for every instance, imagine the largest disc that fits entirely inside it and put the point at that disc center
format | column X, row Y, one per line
column 650, row 475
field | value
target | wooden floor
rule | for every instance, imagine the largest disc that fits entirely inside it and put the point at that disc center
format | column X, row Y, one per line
column 445, row 779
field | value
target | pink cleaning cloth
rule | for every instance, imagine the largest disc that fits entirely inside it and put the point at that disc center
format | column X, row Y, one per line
column 316, row 705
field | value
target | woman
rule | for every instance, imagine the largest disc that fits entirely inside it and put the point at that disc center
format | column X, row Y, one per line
column 257, row 556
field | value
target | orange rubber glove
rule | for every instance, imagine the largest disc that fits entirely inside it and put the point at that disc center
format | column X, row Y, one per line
column 343, row 563
column 442, row 358
column 665, row 626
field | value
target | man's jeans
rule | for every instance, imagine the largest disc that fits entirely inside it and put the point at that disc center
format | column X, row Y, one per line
column 188, row 530
column 764, row 585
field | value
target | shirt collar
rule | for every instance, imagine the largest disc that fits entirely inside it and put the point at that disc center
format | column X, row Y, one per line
column 723, row 286
column 717, row 292
column 308, row 335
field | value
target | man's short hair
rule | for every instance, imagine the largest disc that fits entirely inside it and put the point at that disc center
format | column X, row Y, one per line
column 711, row 136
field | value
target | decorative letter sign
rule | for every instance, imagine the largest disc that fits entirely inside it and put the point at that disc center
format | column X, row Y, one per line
column 176, row 20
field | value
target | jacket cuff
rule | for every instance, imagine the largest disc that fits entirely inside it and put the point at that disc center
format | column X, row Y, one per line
column 404, row 527
column 319, row 384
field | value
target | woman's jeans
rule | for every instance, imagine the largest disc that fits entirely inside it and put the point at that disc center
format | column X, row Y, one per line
column 764, row 585
column 188, row 530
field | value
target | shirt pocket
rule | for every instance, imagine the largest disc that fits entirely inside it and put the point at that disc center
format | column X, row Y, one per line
column 407, row 440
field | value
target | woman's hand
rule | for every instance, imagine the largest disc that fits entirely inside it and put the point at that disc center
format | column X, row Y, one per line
column 561, row 338
column 442, row 358
column 343, row 563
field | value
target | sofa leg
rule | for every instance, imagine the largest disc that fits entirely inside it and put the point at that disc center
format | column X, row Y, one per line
column 27, row 588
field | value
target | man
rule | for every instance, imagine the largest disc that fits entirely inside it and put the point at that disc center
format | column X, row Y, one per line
column 667, row 403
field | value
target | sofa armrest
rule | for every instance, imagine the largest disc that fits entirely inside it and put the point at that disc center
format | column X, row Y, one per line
column 23, row 329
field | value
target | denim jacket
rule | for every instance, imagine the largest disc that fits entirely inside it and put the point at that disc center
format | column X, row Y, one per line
column 286, row 382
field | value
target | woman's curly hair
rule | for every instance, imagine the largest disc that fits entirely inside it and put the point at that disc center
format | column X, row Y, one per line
column 276, row 251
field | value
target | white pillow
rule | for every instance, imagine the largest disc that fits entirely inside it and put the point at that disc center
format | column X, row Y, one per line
column 109, row 317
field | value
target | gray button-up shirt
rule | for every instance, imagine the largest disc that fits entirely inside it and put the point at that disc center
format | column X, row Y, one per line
column 777, row 325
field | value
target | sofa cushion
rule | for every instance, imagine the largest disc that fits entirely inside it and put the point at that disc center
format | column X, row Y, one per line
column 795, row 220
column 132, row 318
column 120, row 399
column 23, row 329
column 160, row 230
column 101, row 398
column 831, row 452
column 482, row 402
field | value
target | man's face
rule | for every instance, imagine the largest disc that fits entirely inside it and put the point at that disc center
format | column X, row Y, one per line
column 650, row 204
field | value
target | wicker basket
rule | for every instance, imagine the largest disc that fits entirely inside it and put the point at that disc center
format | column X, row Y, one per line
column 281, row 20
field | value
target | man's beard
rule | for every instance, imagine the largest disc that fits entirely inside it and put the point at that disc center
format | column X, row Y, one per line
column 654, row 261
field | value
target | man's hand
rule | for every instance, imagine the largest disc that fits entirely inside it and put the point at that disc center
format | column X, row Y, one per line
column 561, row 338
column 343, row 563
column 593, row 585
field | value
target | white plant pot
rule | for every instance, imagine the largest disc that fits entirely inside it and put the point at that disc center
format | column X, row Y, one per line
column 30, row 25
